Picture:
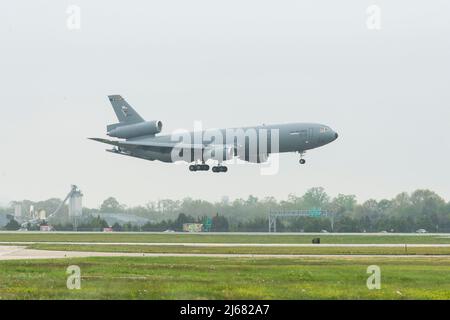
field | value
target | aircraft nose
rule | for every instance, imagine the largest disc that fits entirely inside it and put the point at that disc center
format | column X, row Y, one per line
column 335, row 135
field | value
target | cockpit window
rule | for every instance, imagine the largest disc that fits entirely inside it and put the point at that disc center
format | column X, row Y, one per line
column 324, row 129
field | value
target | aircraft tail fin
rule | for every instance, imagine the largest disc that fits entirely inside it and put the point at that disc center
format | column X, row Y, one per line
column 124, row 112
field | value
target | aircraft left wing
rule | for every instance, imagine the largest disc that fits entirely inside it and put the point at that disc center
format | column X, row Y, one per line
column 150, row 146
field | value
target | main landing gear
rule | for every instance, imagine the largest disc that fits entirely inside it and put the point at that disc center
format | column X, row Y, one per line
column 205, row 167
column 219, row 168
column 199, row 167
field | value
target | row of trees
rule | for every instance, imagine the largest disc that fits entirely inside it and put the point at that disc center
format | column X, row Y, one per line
column 403, row 213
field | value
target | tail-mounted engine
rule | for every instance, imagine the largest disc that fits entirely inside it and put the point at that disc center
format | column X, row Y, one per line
column 130, row 131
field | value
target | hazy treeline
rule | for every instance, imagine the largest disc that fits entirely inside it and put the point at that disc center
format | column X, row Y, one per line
column 403, row 213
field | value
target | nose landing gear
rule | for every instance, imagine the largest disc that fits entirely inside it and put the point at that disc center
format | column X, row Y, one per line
column 302, row 161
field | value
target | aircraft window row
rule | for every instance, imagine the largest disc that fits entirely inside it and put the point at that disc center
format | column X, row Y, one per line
column 296, row 133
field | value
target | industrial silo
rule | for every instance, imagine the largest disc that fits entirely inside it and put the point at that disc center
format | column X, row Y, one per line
column 76, row 204
column 18, row 211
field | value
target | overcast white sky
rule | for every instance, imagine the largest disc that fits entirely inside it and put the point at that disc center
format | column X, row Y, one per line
column 226, row 63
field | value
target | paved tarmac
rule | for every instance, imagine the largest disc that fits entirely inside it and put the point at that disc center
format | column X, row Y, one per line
column 22, row 253
column 187, row 244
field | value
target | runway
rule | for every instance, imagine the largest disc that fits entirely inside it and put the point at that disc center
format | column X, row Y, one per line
column 22, row 253
column 274, row 234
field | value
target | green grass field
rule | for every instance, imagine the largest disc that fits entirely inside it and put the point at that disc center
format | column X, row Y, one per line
column 228, row 278
column 232, row 278
column 221, row 238
column 247, row 249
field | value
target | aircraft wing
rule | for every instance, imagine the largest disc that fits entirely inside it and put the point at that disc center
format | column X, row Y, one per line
column 150, row 146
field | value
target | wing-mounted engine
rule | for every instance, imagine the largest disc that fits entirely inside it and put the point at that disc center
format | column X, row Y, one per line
column 130, row 131
column 218, row 153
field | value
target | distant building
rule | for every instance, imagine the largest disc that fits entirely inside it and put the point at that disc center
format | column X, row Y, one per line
column 122, row 218
column 192, row 227
column 46, row 228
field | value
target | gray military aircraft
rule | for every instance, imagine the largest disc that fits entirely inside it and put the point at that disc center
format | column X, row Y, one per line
column 142, row 139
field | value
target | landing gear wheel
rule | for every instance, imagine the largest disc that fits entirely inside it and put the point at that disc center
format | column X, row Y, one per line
column 198, row 167
column 302, row 161
column 219, row 169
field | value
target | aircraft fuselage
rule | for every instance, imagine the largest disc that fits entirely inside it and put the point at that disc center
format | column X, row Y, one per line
column 143, row 139
column 292, row 137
